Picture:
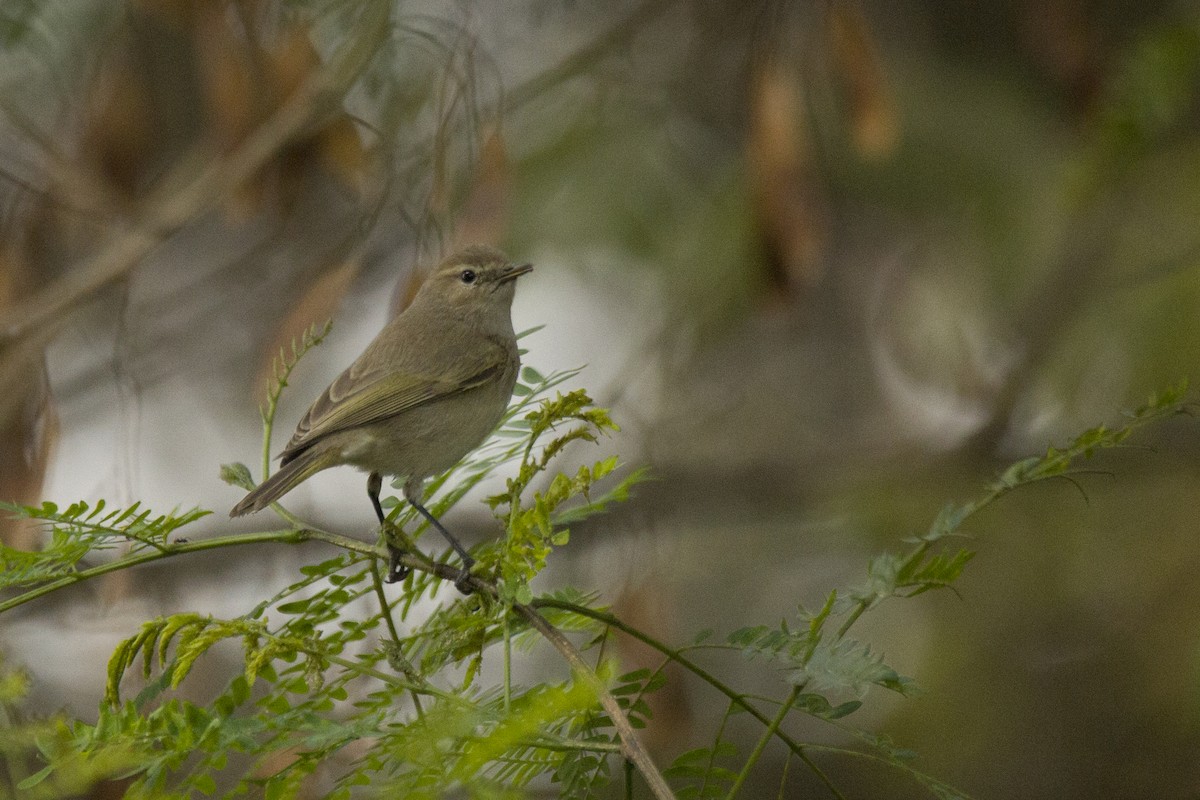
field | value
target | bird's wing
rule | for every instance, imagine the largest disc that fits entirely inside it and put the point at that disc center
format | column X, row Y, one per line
column 355, row 399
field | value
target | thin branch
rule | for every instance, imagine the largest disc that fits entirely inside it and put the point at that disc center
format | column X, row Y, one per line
column 631, row 745
column 925, row 780
column 701, row 673
column 768, row 734
column 288, row 536
column 579, row 61
column 385, row 611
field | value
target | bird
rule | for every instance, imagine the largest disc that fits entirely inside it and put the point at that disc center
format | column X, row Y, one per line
column 429, row 389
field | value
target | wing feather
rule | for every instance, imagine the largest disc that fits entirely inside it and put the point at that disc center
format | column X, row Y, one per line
column 353, row 400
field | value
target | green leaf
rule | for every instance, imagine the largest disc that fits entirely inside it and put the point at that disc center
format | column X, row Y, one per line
column 237, row 474
column 36, row 778
column 847, row 666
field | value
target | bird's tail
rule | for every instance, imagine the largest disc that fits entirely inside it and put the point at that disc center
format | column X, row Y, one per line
column 289, row 476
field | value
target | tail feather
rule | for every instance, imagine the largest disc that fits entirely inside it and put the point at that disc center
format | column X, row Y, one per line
column 290, row 475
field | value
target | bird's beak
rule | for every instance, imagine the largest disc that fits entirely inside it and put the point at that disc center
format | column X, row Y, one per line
column 513, row 271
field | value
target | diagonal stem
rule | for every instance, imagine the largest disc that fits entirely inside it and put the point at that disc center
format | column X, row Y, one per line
column 631, row 746
column 761, row 745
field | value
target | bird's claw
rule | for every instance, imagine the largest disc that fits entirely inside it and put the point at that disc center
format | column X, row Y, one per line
column 463, row 581
column 397, row 571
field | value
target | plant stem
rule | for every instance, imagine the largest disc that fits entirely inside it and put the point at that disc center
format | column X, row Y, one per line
column 631, row 746
column 699, row 672
column 268, row 425
column 288, row 536
column 783, row 778
column 563, row 745
column 766, row 737
column 385, row 609
column 712, row 754
column 371, row 672
column 858, row 611
column 507, row 665
column 926, row 781
column 587, row 56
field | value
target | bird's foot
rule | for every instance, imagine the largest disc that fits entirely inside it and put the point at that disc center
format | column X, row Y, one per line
column 463, row 581
column 397, row 571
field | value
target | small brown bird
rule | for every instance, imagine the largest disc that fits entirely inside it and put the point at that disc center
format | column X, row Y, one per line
column 428, row 390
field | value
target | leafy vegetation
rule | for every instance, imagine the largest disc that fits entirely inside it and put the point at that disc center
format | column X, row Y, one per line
column 400, row 698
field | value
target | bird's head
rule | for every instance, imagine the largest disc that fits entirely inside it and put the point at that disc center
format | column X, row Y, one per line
column 475, row 279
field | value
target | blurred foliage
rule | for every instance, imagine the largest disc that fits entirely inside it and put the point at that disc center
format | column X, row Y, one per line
column 328, row 697
column 888, row 247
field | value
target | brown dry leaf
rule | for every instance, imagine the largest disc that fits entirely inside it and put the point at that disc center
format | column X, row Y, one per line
column 314, row 307
column 27, row 437
column 244, row 82
column 236, row 96
column 786, row 191
column 293, row 59
column 28, row 423
column 646, row 608
column 228, row 81
column 406, row 289
column 118, row 139
column 343, row 152
column 180, row 13
column 1062, row 36
column 485, row 213
column 337, row 145
column 873, row 120
column 483, row 218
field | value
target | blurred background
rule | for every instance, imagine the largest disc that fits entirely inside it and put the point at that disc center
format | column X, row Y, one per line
column 831, row 264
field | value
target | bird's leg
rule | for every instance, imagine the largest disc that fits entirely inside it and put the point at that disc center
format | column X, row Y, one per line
column 396, row 570
column 468, row 562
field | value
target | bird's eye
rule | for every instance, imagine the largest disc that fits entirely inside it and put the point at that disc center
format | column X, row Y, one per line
column 467, row 276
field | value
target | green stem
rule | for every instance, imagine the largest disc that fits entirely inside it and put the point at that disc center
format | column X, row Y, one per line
column 858, row 611
column 385, row 610
column 289, row 536
column 507, row 663
column 631, row 746
column 787, row 764
column 393, row 680
column 766, row 737
column 268, row 424
column 288, row 516
column 712, row 754
column 926, row 781
column 279, row 378
column 699, row 672
column 562, row 745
